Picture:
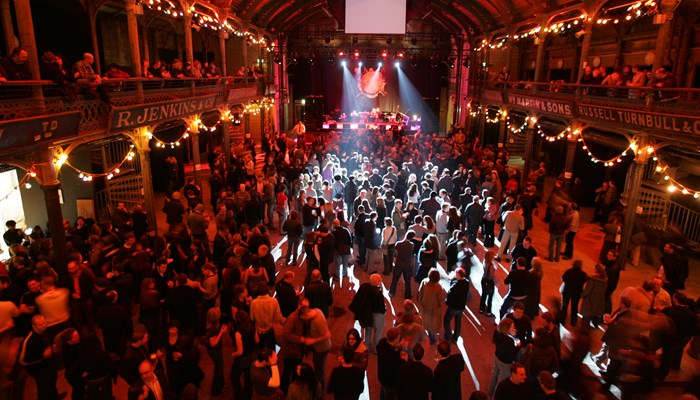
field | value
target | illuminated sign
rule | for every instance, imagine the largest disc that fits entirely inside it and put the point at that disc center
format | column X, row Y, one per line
column 557, row 107
column 155, row 113
column 642, row 119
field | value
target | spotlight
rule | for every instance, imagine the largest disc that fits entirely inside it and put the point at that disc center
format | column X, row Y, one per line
column 344, row 63
column 385, row 54
column 397, row 64
column 341, row 53
column 356, row 53
column 380, row 64
column 399, row 54
column 331, row 60
column 360, row 63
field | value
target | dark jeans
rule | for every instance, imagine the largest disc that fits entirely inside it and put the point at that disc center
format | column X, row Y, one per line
column 361, row 251
column 487, row 289
column 450, row 314
column 489, row 227
column 389, row 259
column 320, row 368
column 292, row 250
column 672, row 355
column 569, row 247
column 217, row 357
column 290, row 368
column 405, row 271
column 45, row 375
column 241, row 366
column 565, row 307
column 472, row 231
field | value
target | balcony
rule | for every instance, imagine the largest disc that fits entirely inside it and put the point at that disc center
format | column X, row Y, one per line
column 665, row 113
column 31, row 99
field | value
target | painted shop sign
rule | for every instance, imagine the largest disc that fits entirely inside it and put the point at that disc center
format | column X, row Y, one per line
column 642, row 119
column 563, row 108
column 28, row 131
column 151, row 114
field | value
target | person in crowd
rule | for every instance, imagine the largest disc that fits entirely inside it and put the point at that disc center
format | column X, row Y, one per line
column 514, row 387
column 532, row 302
column 507, row 346
column 389, row 360
column 456, row 301
column 525, row 250
column 431, row 297
column 305, row 385
column 447, row 374
column 319, row 293
column 369, row 309
column 346, row 380
column 36, row 355
column 519, row 281
column 573, row 281
column 593, row 297
column 403, row 265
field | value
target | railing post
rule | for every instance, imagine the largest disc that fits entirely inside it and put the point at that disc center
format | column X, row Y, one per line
column 632, row 189
column 47, row 175
column 7, row 27
column 527, row 157
column 133, row 27
column 141, row 141
column 194, row 134
column 27, row 40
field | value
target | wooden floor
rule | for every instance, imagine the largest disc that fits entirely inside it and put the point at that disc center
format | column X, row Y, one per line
column 475, row 344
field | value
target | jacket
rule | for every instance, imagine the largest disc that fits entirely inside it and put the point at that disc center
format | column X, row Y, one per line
column 458, row 295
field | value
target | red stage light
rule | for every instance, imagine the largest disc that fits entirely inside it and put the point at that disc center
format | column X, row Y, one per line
column 341, row 53
column 357, row 53
column 399, row 54
column 385, row 54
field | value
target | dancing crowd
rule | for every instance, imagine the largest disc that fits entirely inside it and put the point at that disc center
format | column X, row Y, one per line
column 142, row 306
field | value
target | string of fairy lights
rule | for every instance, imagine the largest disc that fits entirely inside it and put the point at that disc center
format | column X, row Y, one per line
column 62, row 160
column 632, row 11
column 209, row 20
column 674, row 186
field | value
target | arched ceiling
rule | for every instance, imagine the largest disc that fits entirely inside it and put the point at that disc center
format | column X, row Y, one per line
column 458, row 16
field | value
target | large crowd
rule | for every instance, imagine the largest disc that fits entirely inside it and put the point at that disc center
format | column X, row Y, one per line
column 141, row 306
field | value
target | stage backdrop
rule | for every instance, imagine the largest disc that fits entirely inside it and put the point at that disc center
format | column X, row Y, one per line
column 418, row 93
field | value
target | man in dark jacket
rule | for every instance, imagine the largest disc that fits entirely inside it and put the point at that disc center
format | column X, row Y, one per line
column 389, row 360
column 520, row 281
column 350, row 195
column 36, row 355
column 415, row 379
column 573, row 279
column 343, row 245
column 326, row 251
column 473, row 218
column 115, row 321
column 294, row 232
column 286, row 295
column 557, row 228
column 403, row 265
column 182, row 305
column 456, row 300
column 430, row 206
column 319, row 293
column 686, row 326
column 446, row 383
column 369, row 309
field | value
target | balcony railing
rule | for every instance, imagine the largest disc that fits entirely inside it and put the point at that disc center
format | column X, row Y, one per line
column 678, row 100
column 23, row 99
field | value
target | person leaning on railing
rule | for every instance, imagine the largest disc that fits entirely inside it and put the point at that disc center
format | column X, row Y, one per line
column 15, row 65
column 83, row 70
column 664, row 80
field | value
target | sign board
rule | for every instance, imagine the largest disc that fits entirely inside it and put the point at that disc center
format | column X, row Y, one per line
column 243, row 94
column 563, row 108
column 641, row 119
column 28, row 131
column 151, row 114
